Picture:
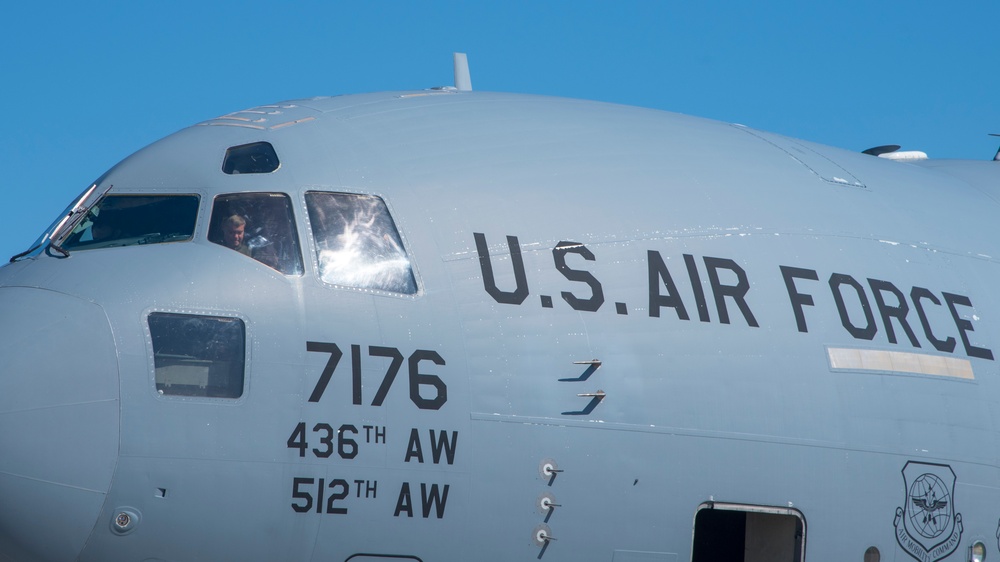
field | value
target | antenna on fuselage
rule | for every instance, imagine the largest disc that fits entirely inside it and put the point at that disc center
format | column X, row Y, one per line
column 463, row 80
column 996, row 157
column 880, row 150
column 892, row 152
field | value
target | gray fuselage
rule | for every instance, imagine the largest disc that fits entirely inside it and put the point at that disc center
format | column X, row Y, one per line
column 616, row 319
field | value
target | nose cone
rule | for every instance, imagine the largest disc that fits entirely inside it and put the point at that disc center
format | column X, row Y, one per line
column 59, row 422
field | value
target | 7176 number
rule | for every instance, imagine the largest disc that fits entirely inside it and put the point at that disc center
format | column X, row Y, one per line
column 417, row 379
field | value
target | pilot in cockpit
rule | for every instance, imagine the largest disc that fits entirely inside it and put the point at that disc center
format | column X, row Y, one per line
column 104, row 226
column 233, row 232
column 233, row 229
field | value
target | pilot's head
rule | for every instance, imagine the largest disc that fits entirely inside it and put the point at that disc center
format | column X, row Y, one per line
column 104, row 226
column 101, row 230
column 233, row 228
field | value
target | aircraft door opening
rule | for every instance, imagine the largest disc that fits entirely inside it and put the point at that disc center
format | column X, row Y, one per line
column 725, row 532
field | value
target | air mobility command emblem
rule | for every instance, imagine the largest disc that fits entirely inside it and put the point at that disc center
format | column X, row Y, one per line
column 927, row 526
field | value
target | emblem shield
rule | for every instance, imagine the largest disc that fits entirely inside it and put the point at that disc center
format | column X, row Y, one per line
column 928, row 526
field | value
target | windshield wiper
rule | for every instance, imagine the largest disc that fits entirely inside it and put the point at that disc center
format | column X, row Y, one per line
column 74, row 214
column 73, row 218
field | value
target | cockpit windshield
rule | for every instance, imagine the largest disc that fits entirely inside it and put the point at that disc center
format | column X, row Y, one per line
column 126, row 220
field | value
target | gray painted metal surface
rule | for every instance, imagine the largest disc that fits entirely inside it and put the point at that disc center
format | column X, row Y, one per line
column 627, row 313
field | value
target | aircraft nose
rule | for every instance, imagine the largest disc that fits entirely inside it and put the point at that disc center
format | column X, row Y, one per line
column 59, row 422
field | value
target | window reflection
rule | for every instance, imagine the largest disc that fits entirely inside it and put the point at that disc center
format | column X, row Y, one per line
column 357, row 243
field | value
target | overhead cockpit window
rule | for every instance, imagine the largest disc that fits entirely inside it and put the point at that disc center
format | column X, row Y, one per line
column 260, row 226
column 127, row 220
column 357, row 243
column 198, row 355
column 253, row 158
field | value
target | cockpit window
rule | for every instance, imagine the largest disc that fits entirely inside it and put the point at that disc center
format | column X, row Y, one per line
column 126, row 220
column 357, row 243
column 253, row 158
column 260, row 226
column 198, row 355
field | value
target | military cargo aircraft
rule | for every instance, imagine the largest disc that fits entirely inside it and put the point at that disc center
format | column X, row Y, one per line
column 456, row 325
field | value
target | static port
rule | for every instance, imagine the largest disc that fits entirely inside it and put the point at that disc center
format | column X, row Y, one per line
column 124, row 521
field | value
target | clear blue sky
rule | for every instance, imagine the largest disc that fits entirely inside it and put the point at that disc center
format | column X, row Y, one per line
column 85, row 84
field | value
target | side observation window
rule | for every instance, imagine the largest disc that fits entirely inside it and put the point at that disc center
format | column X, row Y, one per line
column 127, row 220
column 260, row 226
column 198, row 355
column 357, row 243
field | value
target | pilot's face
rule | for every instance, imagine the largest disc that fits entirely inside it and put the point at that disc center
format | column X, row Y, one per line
column 233, row 236
column 100, row 231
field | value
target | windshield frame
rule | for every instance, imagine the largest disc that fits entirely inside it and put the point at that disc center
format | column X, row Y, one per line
column 78, row 212
column 67, row 221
